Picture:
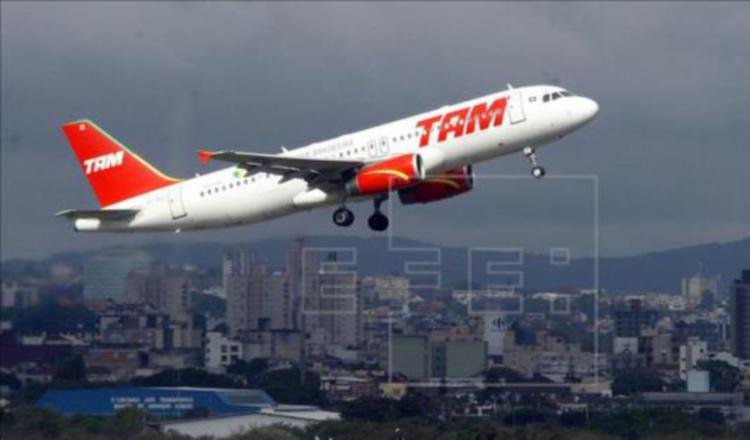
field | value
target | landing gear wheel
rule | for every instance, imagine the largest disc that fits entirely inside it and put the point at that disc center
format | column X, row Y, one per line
column 538, row 172
column 343, row 217
column 378, row 221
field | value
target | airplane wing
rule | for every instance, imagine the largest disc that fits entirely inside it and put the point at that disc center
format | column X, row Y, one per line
column 282, row 163
column 101, row 214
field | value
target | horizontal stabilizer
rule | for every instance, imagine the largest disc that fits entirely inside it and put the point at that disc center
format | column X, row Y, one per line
column 101, row 214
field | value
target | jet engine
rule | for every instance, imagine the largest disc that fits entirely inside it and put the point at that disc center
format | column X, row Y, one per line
column 439, row 187
column 388, row 175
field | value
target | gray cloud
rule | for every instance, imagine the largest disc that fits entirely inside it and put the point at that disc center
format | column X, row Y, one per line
column 669, row 147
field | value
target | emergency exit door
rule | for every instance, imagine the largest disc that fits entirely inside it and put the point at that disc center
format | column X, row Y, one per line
column 176, row 206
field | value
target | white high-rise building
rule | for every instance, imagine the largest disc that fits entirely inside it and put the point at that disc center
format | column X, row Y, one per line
column 696, row 287
column 690, row 353
column 220, row 351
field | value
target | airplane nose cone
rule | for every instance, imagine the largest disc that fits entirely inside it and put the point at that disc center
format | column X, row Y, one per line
column 588, row 109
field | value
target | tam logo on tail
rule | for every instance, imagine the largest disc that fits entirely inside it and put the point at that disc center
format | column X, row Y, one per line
column 104, row 162
column 97, row 152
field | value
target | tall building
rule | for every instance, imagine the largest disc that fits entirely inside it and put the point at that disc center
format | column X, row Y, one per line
column 298, row 265
column 332, row 310
column 104, row 275
column 740, row 316
column 236, row 262
column 247, row 308
column 280, row 302
column 697, row 287
column 164, row 288
column 630, row 323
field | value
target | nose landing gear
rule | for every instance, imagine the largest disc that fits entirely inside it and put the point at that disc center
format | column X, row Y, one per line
column 343, row 217
column 537, row 170
column 378, row 221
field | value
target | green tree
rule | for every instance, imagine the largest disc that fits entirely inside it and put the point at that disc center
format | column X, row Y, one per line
column 70, row 369
column 126, row 423
column 51, row 317
column 503, row 374
column 723, row 377
column 249, row 370
column 374, row 409
column 267, row 433
column 191, row 377
column 285, row 386
column 10, row 380
column 638, row 380
column 38, row 421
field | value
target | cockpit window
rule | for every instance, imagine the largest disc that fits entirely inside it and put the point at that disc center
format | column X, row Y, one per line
column 556, row 96
column 546, row 98
column 566, row 93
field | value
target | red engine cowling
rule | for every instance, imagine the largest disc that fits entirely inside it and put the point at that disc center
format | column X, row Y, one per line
column 392, row 174
column 448, row 184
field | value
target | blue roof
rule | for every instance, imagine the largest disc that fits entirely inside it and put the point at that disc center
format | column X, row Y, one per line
column 159, row 401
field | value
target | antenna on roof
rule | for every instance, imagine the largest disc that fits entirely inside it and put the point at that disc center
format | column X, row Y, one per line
column 510, row 87
column 283, row 148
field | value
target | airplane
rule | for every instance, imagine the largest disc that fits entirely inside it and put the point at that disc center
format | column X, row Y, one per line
column 423, row 158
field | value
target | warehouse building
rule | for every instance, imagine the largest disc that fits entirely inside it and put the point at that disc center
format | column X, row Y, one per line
column 215, row 412
column 157, row 401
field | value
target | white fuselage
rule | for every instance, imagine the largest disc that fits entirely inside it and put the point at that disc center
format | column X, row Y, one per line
column 230, row 196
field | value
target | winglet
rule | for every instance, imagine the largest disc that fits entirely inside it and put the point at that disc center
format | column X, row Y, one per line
column 204, row 156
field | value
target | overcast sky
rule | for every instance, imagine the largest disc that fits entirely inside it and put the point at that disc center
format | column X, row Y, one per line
column 670, row 148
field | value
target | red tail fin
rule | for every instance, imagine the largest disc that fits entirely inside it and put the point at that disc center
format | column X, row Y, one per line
column 114, row 172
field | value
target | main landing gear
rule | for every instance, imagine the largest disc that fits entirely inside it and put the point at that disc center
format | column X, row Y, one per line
column 343, row 217
column 378, row 221
column 536, row 170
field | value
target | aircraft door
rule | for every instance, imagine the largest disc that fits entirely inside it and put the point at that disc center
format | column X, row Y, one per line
column 176, row 205
column 515, row 107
